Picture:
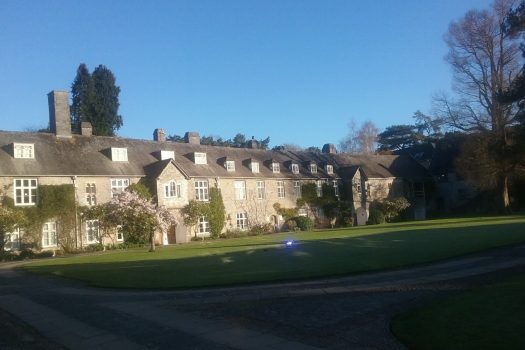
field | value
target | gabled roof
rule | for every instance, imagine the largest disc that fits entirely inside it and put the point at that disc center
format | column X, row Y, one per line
column 89, row 155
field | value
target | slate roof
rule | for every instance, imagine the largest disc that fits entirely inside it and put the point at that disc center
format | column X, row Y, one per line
column 91, row 156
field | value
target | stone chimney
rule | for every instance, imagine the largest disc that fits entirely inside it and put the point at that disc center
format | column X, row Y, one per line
column 329, row 148
column 159, row 135
column 252, row 143
column 192, row 137
column 86, row 129
column 59, row 116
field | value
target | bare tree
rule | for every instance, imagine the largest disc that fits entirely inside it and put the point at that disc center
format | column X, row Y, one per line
column 484, row 60
column 362, row 140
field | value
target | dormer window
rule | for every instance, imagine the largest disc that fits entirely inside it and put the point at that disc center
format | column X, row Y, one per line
column 119, row 154
column 275, row 167
column 199, row 158
column 254, row 166
column 295, row 168
column 329, row 169
column 24, row 150
column 313, row 168
column 229, row 165
column 167, row 155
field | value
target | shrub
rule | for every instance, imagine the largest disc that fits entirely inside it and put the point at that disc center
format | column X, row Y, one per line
column 291, row 225
column 376, row 216
column 44, row 254
column 261, row 229
column 304, row 223
column 94, row 247
column 234, row 234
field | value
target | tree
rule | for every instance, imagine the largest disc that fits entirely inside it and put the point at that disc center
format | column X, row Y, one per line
column 192, row 211
column 95, row 100
column 362, row 140
column 216, row 212
column 396, row 137
column 10, row 219
column 83, row 94
column 484, row 59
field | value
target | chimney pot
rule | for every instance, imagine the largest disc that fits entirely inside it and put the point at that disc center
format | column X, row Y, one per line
column 192, row 137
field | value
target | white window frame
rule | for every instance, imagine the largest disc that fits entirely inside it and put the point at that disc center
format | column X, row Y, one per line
column 12, row 239
column 118, row 185
column 313, row 168
column 200, row 158
column 261, row 189
column 329, row 169
column 172, row 190
column 119, row 154
column 276, row 168
column 49, row 234
column 254, row 166
column 336, row 188
column 25, row 191
column 92, row 231
column 229, row 165
column 240, row 189
column 24, row 150
column 280, row 189
column 201, row 190
column 203, row 226
column 297, row 189
column 242, row 221
column 91, row 194
column 295, row 168
column 119, row 236
column 319, row 188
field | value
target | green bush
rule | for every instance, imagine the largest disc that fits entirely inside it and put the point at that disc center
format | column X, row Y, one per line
column 94, row 247
column 304, row 223
column 261, row 229
column 291, row 225
column 376, row 216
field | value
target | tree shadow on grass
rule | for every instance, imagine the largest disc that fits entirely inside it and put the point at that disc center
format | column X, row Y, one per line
column 301, row 261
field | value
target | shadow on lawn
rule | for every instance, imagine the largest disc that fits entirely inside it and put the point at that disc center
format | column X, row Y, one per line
column 303, row 260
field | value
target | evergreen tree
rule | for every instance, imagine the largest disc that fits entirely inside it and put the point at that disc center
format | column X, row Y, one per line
column 216, row 212
column 82, row 92
column 95, row 100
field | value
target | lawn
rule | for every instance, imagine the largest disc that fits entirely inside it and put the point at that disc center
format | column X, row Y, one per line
column 492, row 317
column 266, row 258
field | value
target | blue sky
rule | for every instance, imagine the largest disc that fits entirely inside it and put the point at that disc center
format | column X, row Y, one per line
column 295, row 70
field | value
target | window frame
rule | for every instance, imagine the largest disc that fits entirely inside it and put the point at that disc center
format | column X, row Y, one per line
column 46, row 231
column 23, row 150
column 281, row 193
column 260, row 188
column 202, row 193
column 200, row 158
column 254, row 166
column 172, row 189
column 295, row 168
column 119, row 154
column 313, row 168
column 203, row 226
column 116, row 187
column 241, row 221
column 91, row 194
column 239, row 187
column 229, row 165
column 319, row 188
column 276, row 168
column 329, row 169
column 297, row 189
column 25, row 198
column 92, row 231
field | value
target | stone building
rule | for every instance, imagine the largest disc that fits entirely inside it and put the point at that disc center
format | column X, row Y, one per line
column 251, row 180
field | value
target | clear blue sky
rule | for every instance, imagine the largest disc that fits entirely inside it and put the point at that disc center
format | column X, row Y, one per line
column 294, row 70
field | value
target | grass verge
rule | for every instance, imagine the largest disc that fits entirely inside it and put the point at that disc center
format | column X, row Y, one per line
column 491, row 317
column 267, row 259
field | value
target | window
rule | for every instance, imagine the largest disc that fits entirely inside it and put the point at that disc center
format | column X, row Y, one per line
column 119, row 154
column 313, row 168
column 12, row 239
column 242, row 221
column 336, row 188
column 167, row 155
column 230, row 165
column 120, row 234
column 295, row 168
column 260, row 190
column 297, row 189
column 240, row 190
column 25, row 191
column 201, row 190
column 172, row 190
column 49, row 235
column 24, row 150
column 118, row 186
column 319, row 188
column 275, row 167
column 280, row 189
column 92, row 231
column 329, row 169
column 91, row 194
column 255, row 167
column 199, row 157
column 203, row 226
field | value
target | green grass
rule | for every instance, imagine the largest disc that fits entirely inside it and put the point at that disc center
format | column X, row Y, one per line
column 265, row 258
column 492, row 317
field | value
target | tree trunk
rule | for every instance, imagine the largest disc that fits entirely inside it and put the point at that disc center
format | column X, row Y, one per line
column 504, row 191
column 152, row 241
